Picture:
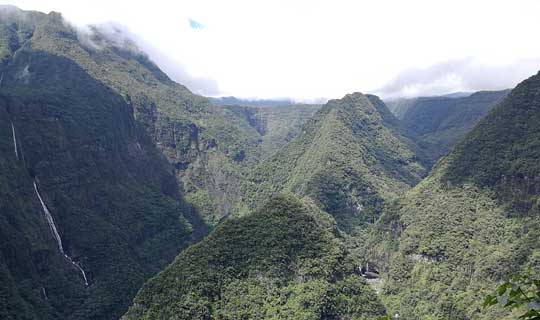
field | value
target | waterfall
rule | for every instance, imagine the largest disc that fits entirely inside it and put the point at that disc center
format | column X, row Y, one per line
column 78, row 266
column 56, row 235
column 14, row 140
column 50, row 221
column 44, row 293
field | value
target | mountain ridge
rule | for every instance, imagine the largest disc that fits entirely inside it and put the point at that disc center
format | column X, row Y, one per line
column 471, row 222
column 314, row 162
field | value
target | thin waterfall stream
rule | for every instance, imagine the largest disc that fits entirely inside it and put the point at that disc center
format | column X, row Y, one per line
column 14, row 140
column 56, row 235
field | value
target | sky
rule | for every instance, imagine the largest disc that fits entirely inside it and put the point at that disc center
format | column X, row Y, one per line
column 310, row 49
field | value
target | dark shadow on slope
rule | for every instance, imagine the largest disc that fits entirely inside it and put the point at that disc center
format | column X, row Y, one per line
column 112, row 193
column 502, row 151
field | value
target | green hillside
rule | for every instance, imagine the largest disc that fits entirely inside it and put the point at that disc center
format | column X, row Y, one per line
column 348, row 158
column 472, row 222
column 206, row 147
column 116, row 208
column 276, row 125
column 125, row 195
column 438, row 123
column 284, row 261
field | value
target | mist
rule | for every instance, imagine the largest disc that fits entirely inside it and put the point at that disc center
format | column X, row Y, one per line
column 463, row 75
column 97, row 36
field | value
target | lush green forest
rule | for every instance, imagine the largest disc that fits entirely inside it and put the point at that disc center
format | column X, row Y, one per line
column 437, row 124
column 123, row 194
column 115, row 203
column 348, row 159
column 472, row 223
column 284, row 261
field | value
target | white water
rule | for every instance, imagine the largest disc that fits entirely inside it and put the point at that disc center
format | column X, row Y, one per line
column 14, row 140
column 56, row 235
column 50, row 221
column 78, row 266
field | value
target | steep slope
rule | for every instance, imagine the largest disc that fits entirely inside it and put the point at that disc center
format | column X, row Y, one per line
column 348, row 158
column 400, row 106
column 89, row 208
column 282, row 262
column 473, row 221
column 439, row 123
column 276, row 125
column 208, row 151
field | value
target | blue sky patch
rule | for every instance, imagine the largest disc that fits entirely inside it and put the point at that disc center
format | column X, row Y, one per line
column 195, row 25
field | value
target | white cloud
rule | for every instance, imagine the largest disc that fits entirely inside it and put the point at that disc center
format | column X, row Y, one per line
column 306, row 49
column 458, row 75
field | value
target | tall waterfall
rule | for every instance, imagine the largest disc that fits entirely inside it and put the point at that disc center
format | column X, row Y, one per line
column 50, row 221
column 56, row 235
column 14, row 140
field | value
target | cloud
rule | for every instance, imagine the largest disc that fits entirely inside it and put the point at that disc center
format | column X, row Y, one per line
column 457, row 75
column 98, row 36
column 305, row 49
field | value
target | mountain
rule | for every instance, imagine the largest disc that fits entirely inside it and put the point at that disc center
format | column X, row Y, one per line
column 399, row 106
column 208, row 151
column 349, row 158
column 284, row 261
column 109, row 170
column 89, row 208
column 457, row 94
column 293, row 257
column 276, row 125
column 439, row 123
column 106, row 168
column 472, row 222
column 258, row 103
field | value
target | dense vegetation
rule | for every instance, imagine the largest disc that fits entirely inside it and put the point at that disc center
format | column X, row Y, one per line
column 134, row 167
column 276, row 125
column 349, row 159
column 207, row 148
column 282, row 262
column 439, row 123
column 521, row 293
column 471, row 223
column 112, row 196
column 315, row 165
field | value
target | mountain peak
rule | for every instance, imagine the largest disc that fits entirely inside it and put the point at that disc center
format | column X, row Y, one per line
column 347, row 159
column 279, row 248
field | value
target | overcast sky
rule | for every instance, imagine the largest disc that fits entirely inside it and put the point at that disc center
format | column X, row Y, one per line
column 308, row 49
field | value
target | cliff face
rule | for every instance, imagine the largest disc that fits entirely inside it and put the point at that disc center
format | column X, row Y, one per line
column 276, row 125
column 89, row 207
column 199, row 139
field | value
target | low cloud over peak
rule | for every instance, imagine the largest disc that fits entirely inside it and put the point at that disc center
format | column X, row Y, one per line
column 457, row 76
column 113, row 34
column 310, row 49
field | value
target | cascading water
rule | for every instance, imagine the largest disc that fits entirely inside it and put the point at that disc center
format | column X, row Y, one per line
column 14, row 140
column 78, row 266
column 44, row 292
column 56, row 235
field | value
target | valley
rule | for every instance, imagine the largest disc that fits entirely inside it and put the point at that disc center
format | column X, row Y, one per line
column 124, row 195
